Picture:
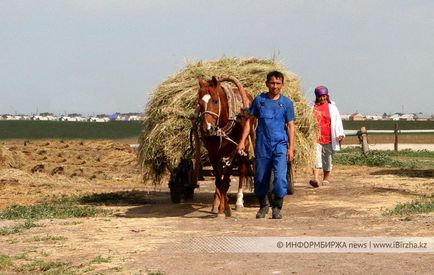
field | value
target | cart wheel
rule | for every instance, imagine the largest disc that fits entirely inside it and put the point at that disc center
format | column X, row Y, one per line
column 192, row 178
column 290, row 178
column 175, row 192
column 189, row 193
column 182, row 182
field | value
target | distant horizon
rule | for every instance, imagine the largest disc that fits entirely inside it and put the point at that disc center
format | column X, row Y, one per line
column 70, row 113
column 142, row 112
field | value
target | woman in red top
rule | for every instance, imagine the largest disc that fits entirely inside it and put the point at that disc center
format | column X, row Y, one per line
column 330, row 136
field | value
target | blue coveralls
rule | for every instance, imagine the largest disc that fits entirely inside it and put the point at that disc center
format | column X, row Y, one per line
column 271, row 143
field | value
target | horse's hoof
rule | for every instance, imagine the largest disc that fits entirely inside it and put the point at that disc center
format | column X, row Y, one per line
column 239, row 207
column 215, row 209
column 228, row 212
column 220, row 215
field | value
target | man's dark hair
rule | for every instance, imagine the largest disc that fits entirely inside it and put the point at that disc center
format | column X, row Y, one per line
column 276, row 74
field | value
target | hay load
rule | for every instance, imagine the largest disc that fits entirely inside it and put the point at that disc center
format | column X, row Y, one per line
column 165, row 140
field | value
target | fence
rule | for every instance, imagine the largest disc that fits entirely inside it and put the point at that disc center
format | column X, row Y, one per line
column 362, row 134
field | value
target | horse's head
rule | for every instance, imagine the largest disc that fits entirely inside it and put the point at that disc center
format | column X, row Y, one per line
column 210, row 106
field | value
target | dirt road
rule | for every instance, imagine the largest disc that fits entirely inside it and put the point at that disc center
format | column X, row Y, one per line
column 151, row 237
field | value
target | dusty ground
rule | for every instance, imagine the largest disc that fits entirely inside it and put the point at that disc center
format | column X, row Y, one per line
column 149, row 237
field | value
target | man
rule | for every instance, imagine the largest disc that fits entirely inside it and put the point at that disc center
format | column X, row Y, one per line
column 274, row 143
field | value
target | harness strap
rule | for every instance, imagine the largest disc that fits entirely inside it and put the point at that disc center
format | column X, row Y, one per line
column 235, row 103
column 235, row 106
column 229, row 127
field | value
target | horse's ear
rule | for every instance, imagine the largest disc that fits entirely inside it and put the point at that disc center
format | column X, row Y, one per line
column 201, row 81
column 214, row 81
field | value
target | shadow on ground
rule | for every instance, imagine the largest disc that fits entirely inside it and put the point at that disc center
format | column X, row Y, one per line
column 157, row 204
column 415, row 173
column 199, row 207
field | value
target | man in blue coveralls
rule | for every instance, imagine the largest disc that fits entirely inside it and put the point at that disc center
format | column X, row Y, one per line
column 274, row 143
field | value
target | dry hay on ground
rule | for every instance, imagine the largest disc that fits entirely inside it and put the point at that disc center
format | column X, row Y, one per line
column 165, row 136
column 10, row 158
column 73, row 160
column 52, row 168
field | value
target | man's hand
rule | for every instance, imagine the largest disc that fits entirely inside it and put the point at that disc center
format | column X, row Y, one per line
column 242, row 144
column 240, row 149
column 340, row 139
column 290, row 155
column 290, row 128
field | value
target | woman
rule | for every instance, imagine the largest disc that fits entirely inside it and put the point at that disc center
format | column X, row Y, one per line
column 330, row 136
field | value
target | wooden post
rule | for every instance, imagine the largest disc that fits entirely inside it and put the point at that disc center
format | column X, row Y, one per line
column 396, row 138
column 365, row 145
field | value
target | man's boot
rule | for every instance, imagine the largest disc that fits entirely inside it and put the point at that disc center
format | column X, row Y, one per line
column 264, row 205
column 277, row 206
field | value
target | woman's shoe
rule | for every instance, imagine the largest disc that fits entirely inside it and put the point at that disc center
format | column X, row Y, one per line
column 314, row 183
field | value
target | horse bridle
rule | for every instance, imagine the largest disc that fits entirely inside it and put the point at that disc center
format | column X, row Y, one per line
column 212, row 113
column 219, row 132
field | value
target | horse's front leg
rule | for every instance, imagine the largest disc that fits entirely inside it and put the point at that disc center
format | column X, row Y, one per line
column 224, row 206
column 242, row 177
column 217, row 193
column 239, row 205
column 216, row 201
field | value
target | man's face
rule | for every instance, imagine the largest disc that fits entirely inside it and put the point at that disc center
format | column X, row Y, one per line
column 274, row 85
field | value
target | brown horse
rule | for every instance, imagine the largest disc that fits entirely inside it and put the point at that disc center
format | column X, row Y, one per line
column 219, row 125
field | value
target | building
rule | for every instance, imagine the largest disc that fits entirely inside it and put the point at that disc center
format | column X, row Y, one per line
column 357, row 117
column 345, row 117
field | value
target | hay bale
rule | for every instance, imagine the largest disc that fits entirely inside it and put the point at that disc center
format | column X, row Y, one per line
column 165, row 136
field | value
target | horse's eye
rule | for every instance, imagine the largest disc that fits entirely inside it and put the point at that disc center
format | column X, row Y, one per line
column 216, row 101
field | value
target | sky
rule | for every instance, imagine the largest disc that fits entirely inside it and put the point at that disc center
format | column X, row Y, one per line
column 106, row 56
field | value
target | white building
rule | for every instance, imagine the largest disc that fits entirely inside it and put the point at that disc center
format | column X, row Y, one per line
column 98, row 119
column 373, row 117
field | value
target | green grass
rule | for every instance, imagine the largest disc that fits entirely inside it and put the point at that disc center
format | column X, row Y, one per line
column 421, row 205
column 42, row 266
column 23, row 129
column 350, row 156
column 23, row 264
column 412, row 153
column 17, row 228
column 47, row 238
column 63, row 207
column 115, row 198
column 5, row 262
column 405, row 159
column 100, row 259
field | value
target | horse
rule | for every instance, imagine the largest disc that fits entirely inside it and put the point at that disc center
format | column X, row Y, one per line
column 219, row 124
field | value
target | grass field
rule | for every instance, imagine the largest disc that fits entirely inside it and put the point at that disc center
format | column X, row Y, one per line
column 131, row 130
column 22, row 129
column 404, row 159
